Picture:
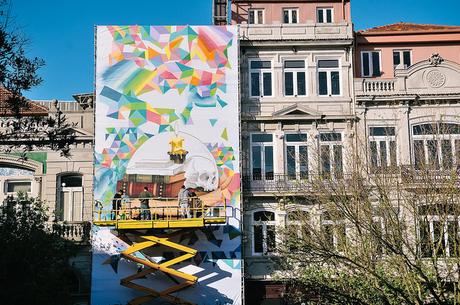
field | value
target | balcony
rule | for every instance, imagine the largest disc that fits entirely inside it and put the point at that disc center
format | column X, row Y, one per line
column 383, row 87
column 296, row 32
column 78, row 232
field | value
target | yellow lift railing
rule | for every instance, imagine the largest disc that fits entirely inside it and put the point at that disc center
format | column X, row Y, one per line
column 163, row 213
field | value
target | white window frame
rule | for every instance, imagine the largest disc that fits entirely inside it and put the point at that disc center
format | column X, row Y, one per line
column 387, row 139
column 264, row 225
column 334, row 224
column 332, row 160
column 290, row 10
column 431, row 219
column 296, row 145
column 323, row 11
column 7, row 181
column 329, row 77
column 439, row 138
column 261, row 72
column 294, row 78
column 296, row 223
column 371, row 63
column 401, row 57
column 262, row 145
column 256, row 15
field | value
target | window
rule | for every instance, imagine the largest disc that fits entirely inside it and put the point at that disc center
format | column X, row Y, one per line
column 370, row 63
column 260, row 73
column 334, row 232
column 294, row 78
column 296, row 156
column 382, row 143
column 402, row 56
column 15, row 186
column 297, row 222
column 262, row 156
column 328, row 77
column 69, row 206
column 324, row 15
column 436, row 145
column 290, row 15
column 256, row 16
column 264, row 235
column 438, row 230
column 331, row 157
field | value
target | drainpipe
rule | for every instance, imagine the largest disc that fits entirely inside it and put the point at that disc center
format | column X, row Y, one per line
column 343, row 10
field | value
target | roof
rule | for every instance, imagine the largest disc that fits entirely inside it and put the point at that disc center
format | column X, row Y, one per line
column 32, row 109
column 403, row 27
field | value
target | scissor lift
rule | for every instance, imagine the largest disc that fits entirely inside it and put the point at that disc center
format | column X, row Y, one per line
column 161, row 217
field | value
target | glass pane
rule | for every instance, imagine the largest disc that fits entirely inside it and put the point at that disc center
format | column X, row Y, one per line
column 320, row 16
column 329, row 63
column 328, row 236
column 447, row 158
column 261, row 137
column 269, row 163
column 383, row 153
column 258, row 239
column 255, row 84
column 294, row 16
column 290, row 159
column 382, row 131
column 433, row 153
column 299, row 64
column 406, row 58
column 296, row 137
column 396, row 58
column 374, row 158
column 271, row 239
column 341, row 237
column 393, row 160
column 19, row 186
column 260, row 17
column 301, row 84
column 261, row 64
column 330, row 136
column 288, row 83
column 322, row 78
column 438, row 238
column 425, row 240
column 286, row 16
column 251, row 17
column 424, row 129
column 335, row 82
column 256, row 163
column 338, row 164
column 329, row 15
column 419, row 153
column 375, row 64
column 452, row 238
column 303, row 160
column 366, row 69
column 325, row 159
column 267, row 83
column 264, row 216
column 447, row 128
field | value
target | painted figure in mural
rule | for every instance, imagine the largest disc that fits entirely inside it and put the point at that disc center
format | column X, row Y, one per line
column 184, row 205
column 116, row 204
column 144, row 198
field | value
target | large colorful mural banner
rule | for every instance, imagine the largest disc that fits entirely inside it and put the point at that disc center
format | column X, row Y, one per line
column 167, row 119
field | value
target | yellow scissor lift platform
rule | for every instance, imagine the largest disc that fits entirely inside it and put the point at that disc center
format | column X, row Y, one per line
column 163, row 214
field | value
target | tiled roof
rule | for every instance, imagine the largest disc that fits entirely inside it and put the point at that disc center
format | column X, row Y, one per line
column 32, row 109
column 410, row 27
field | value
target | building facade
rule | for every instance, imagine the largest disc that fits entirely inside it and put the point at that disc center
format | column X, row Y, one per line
column 297, row 117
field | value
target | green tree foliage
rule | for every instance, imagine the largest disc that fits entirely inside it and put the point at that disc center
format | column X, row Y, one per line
column 34, row 263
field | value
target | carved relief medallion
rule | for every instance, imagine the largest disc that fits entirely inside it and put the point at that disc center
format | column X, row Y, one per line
column 435, row 78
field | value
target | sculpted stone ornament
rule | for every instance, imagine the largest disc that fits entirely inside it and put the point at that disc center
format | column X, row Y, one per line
column 435, row 78
column 435, row 59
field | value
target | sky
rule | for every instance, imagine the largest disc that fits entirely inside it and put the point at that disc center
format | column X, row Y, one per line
column 62, row 31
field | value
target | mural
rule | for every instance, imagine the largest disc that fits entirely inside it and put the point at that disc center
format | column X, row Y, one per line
column 167, row 125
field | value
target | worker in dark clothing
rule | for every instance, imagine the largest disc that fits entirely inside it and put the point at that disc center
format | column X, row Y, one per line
column 116, row 204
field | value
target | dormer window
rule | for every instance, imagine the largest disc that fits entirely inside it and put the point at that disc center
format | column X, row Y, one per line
column 291, row 15
column 324, row 15
column 256, row 16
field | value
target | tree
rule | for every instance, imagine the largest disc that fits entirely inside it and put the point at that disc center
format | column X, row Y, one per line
column 376, row 235
column 34, row 262
column 19, row 73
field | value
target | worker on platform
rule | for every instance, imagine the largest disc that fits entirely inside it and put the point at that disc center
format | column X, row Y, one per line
column 184, row 203
column 116, row 204
column 145, row 208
